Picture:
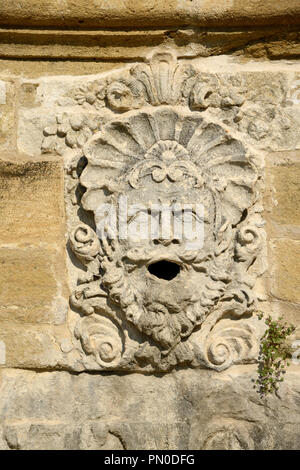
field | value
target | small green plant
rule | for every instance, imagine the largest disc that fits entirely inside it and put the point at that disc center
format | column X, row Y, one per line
column 274, row 355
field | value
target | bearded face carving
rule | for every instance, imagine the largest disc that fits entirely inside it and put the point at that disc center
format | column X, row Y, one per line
column 172, row 297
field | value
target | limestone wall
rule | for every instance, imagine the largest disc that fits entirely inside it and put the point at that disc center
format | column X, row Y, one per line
column 66, row 73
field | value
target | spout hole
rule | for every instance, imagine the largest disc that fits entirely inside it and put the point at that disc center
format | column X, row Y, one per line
column 164, row 270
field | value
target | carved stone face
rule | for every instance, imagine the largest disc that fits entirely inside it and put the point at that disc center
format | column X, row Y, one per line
column 165, row 293
column 164, row 274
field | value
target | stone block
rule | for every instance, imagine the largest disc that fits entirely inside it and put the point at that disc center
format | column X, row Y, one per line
column 31, row 202
column 32, row 285
column 167, row 109
column 184, row 410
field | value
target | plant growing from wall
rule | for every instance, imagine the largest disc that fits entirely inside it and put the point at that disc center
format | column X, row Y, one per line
column 274, row 355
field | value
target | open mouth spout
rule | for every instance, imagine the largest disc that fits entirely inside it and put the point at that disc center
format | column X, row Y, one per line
column 164, row 269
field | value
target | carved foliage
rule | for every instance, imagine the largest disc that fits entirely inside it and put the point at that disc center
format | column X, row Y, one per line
column 162, row 80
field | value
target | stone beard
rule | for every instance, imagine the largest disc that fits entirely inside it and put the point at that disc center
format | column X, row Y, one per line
column 168, row 156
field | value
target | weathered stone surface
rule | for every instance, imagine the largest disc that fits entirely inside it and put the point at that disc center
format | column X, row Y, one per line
column 286, row 186
column 135, row 45
column 32, row 284
column 199, row 102
column 182, row 410
column 31, row 346
column 291, row 314
column 133, row 13
column 285, row 269
column 33, row 68
column 261, row 104
column 7, row 115
column 168, row 146
column 277, row 46
column 31, row 207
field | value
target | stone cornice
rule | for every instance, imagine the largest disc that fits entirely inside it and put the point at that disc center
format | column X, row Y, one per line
column 81, row 14
column 107, row 45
